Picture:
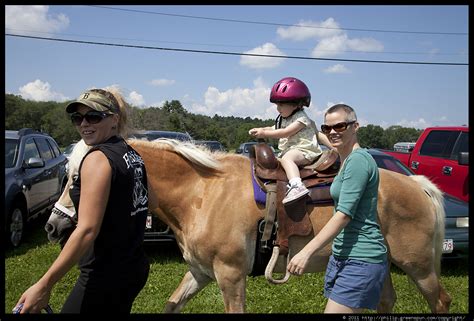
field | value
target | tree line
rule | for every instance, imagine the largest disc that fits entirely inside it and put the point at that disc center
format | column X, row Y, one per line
column 50, row 117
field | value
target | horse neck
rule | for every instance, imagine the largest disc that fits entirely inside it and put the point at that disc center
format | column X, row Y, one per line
column 172, row 183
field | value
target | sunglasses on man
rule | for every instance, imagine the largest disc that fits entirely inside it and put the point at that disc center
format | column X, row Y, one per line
column 338, row 128
column 92, row 117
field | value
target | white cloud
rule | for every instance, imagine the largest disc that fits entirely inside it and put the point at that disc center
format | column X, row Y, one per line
column 162, row 82
column 421, row 123
column 240, row 102
column 330, row 46
column 324, row 29
column 365, row 44
column 131, row 96
column 338, row 44
column 28, row 19
column 40, row 91
column 262, row 62
column 136, row 99
column 332, row 40
column 337, row 69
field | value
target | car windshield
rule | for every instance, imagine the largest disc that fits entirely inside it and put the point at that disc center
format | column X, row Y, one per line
column 213, row 145
column 11, row 152
column 247, row 147
column 170, row 135
column 69, row 149
column 392, row 164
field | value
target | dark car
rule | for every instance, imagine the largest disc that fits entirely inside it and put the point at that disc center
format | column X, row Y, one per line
column 67, row 152
column 155, row 134
column 155, row 229
column 244, row 148
column 35, row 176
column 212, row 145
column 456, row 238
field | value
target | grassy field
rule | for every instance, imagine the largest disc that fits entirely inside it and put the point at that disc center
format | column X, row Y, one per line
column 24, row 265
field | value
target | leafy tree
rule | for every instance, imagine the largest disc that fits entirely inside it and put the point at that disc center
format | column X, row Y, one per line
column 231, row 131
column 371, row 136
column 396, row 133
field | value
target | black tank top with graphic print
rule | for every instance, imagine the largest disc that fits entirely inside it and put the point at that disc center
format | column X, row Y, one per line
column 118, row 248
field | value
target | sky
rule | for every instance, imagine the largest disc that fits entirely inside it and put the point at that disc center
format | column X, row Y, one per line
column 328, row 37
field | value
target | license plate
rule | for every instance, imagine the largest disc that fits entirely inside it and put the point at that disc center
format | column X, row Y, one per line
column 448, row 246
column 148, row 222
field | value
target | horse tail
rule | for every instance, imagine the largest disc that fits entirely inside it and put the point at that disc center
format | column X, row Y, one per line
column 437, row 198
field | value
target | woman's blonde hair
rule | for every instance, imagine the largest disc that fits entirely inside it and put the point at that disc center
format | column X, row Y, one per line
column 123, row 128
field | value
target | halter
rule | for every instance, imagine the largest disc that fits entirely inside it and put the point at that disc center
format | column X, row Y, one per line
column 62, row 211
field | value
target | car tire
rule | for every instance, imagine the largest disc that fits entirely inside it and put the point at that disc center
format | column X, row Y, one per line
column 16, row 225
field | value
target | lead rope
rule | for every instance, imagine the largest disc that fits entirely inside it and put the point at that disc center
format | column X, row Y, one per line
column 18, row 308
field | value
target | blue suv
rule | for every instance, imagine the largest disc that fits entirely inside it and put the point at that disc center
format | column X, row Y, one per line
column 35, row 176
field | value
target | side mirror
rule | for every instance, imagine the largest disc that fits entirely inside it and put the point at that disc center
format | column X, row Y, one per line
column 33, row 162
column 463, row 158
column 238, row 151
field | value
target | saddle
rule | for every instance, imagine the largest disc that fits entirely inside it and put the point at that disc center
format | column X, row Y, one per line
column 292, row 219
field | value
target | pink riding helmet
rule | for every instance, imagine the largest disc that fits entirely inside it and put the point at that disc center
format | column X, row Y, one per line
column 290, row 89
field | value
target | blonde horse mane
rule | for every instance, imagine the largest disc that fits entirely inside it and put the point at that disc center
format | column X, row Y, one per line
column 188, row 150
column 78, row 153
column 437, row 198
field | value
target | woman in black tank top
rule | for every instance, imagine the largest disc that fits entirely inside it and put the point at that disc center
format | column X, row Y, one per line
column 110, row 196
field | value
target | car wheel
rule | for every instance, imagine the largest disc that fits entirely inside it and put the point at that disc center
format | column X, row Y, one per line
column 17, row 225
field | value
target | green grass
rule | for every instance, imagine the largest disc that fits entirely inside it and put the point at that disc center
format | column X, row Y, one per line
column 26, row 264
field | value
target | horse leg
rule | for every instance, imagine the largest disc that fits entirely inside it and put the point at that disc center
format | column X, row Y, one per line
column 388, row 296
column 189, row 286
column 430, row 287
column 232, row 283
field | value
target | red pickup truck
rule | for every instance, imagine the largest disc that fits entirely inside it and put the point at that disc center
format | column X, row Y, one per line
column 442, row 154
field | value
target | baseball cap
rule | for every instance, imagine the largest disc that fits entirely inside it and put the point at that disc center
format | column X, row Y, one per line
column 97, row 99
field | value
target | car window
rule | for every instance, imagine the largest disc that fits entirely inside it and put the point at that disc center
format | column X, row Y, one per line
column 31, row 150
column 45, row 150
column 69, row 149
column 11, row 152
column 439, row 143
column 54, row 147
column 170, row 135
column 247, row 147
column 461, row 145
column 391, row 164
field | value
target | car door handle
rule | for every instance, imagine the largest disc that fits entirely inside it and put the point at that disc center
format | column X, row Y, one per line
column 447, row 170
column 414, row 165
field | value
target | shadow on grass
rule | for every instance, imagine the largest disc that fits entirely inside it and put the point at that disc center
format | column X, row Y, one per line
column 162, row 252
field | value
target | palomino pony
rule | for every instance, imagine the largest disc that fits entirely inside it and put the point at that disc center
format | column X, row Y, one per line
column 207, row 200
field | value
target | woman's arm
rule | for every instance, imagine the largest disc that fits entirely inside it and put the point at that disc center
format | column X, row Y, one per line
column 95, row 189
column 323, row 139
column 270, row 132
column 332, row 228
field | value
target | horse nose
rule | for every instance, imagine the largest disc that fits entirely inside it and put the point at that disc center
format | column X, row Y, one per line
column 50, row 229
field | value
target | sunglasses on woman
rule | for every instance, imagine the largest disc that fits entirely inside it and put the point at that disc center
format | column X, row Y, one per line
column 338, row 128
column 92, row 117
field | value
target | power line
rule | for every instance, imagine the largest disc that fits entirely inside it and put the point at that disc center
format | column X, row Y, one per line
column 231, row 45
column 238, row 53
column 280, row 24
